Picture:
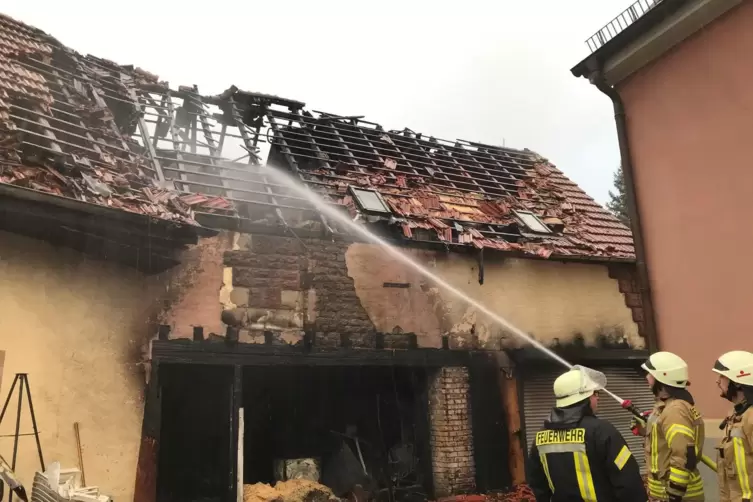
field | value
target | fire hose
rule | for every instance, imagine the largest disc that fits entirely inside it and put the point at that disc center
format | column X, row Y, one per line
column 642, row 418
column 594, row 380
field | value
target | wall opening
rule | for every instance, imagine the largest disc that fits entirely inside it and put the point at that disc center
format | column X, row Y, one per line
column 313, row 412
column 195, row 462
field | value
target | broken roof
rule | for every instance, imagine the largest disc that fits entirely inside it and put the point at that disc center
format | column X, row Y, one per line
column 66, row 125
column 89, row 129
column 457, row 192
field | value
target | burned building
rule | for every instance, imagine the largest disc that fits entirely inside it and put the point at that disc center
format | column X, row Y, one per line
column 201, row 320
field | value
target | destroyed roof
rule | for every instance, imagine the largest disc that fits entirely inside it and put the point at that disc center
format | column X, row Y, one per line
column 66, row 126
column 89, row 129
column 453, row 192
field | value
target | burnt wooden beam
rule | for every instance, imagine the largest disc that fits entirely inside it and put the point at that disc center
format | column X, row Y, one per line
column 412, row 341
column 516, row 456
column 163, row 332
column 490, row 434
column 146, row 469
column 231, row 335
column 182, row 351
column 198, row 333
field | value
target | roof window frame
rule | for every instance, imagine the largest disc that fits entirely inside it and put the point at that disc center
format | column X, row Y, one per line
column 354, row 192
column 521, row 216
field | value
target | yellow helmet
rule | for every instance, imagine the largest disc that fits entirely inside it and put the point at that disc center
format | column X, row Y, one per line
column 737, row 366
column 577, row 385
column 667, row 368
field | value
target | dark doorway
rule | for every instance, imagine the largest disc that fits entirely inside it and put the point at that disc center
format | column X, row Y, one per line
column 490, row 439
column 294, row 412
column 195, row 434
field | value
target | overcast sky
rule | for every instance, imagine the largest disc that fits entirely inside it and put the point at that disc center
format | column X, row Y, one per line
column 495, row 71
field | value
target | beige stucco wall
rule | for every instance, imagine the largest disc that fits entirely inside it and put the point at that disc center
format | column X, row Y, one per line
column 551, row 300
column 76, row 327
column 689, row 124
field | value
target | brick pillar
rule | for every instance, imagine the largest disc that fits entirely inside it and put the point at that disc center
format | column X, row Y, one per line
column 451, row 434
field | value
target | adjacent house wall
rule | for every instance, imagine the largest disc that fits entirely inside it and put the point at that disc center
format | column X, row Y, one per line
column 689, row 120
column 77, row 328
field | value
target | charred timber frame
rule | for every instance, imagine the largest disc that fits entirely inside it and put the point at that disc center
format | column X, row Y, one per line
column 216, row 353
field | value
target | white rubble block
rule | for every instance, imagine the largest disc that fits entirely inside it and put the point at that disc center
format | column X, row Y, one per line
column 57, row 485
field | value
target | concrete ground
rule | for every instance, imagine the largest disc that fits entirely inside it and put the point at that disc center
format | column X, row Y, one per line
column 710, row 484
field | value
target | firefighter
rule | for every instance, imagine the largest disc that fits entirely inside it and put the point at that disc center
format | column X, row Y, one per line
column 735, row 452
column 577, row 456
column 674, row 432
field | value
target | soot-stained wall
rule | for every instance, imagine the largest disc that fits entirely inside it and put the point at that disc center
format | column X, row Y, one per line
column 77, row 328
column 81, row 329
column 289, row 286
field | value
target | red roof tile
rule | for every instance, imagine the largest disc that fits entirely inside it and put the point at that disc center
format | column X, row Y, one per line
column 462, row 192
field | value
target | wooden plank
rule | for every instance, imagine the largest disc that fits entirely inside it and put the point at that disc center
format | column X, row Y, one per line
column 146, row 468
column 241, row 436
column 236, row 400
column 508, row 385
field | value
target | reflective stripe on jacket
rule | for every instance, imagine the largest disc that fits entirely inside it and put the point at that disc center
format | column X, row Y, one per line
column 674, row 442
column 735, row 458
column 580, row 457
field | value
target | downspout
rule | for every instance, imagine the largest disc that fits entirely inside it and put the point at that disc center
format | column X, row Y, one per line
column 597, row 79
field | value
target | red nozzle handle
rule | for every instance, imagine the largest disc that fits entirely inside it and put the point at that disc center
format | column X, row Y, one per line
column 629, row 406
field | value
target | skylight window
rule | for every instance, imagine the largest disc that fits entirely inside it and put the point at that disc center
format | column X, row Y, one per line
column 532, row 222
column 370, row 201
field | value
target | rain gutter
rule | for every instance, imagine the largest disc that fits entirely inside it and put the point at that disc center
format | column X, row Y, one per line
column 644, row 284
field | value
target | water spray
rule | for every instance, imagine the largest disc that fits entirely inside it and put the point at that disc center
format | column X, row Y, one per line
column 331, row 212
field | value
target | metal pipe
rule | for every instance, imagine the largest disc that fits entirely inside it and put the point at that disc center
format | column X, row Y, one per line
column 644, row 284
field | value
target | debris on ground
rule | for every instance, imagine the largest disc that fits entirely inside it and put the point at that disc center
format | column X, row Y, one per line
column 260, row 492
column 294, row 490
column 57, row 484
column 520, row 493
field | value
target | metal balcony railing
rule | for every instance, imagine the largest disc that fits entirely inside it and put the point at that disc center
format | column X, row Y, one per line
column 619, row 23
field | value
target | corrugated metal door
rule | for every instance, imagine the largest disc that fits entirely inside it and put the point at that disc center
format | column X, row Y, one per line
column 626, row 382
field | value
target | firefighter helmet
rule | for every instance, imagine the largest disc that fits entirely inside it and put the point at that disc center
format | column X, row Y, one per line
column 577, row 385
column 667, row 368
column 737, row 366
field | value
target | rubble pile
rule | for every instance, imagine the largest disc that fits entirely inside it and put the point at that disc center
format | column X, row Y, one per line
column 295, row 490
column 57, row 484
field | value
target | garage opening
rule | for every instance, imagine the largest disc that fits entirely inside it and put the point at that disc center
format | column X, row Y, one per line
column 195, row 434
column 359, row 429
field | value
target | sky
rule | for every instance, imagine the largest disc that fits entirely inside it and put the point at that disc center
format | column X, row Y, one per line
column 493, row 71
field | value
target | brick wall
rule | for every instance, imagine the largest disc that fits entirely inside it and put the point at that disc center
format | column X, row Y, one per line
column 290, row 286
column 451, row 434
column 627, row 280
